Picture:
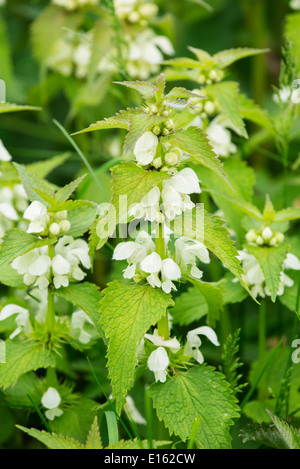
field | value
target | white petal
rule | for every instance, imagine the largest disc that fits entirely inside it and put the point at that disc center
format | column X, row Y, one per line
column 51, row 398
column 151, row 263
column 40, row 265
column 60, row 265
column 36, row 210
column 4, row 155
column 158, row 360
column 170, row 270
column 291, row 262
column 8, row 211
column 10, row 310
column 208, row 332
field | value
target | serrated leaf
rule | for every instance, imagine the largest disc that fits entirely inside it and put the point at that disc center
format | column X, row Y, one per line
column 87, row 297
column 289, row 434
column 81, row 215
column 133, row 182
column 292, row 32
column 137, row 444
column 189, row 307
column 209, row 230
column 31, row 182
column 254, row 113
column 287, row 214
column 52, row 440
column 41, row 169
column 16, row 243
column 194, row 142
column 139, row 123
column 65, row 192
column 147, row 90
column 213, row 295
column 228, row 57
column 127, row 312
column 227, row 95
column 200, row 393
column 22, row 357
column 291, row 295
column 270, row 260
column 119, row 121
column 94, row 439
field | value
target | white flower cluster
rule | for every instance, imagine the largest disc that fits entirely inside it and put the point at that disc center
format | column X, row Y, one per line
column 220, row 138
column 144, row 262
column 159, row 360
column 264, row 237
column 255, row 278
column 43, row 223
column 13, row 200
column 135, row 11
column 171, row 201
column 77, row 323
column 38, row 269
column 74, row 4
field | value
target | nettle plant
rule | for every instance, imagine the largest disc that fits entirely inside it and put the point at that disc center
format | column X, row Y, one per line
column 150, row 333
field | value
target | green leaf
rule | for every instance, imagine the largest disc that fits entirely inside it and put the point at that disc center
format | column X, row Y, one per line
column 213, row 295
column 227, row 95
column 119, row 121
column 234, row 292
column 65, row 192
column 16, row 243
column 139, row 123
column 5, row 53
column 8, row 107
column 94, row 439
column 209, row 230
column 292, row 32
column 200, row 393
column 77, row 419
column 147, row 90
column 41, row 169
column 133, row 182
column 137, row 444
column 127, row 312
column 287, row 214
column 228, row 57
column 254, row 113
column 87, row 297
column 52, row 440
column 289, row 434
column 231, row 363
column 22, row 357
column 194, row 142
column 271, row 261
column 31, row 182
column 189, row 307
column 291, row 295
column 11, row 278
column 81, row 215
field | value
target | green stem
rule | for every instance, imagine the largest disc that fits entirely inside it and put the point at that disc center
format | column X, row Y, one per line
column 262, row 343
column 163, row 323
column 50, row 318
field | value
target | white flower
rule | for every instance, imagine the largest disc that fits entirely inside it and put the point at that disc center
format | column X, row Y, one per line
column 4, row 155
column 51, row 400
column 159, row 341
column 220, row 139
column 38, row 216
column 78, row 321
column 175, row 192
column 168, row 269
column 158, row 362
column 145, row 148
column 284, row 95
column 73, row 4
column 60, row 56
column 133, row 412
column 34, row 266
column 145, row 53
column 187, row 251
column 134, row 252
column 81, row 58
column 124, row 7
column 22, row 318
column 193, row 342
column 148, row 209
column 295, row 4
column 255, row 279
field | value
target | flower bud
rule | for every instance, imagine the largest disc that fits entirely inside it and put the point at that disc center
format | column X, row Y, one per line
column 259, row 241
column 251, row 236
column 201, row 79
column 171, row 158
column 65, row 225
column 165, row 168
column 54, row 229
column 213, row 75
column 165, row 131
column 156, row 130
column 267, row 234
column 273, row 241
column 153, row 109
column 166, row 113
column 170, row 124
column 133, row 17
column 209, row 107
column 279, row 237
column 61, row 215
column 148, row 10
column 157, row 162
